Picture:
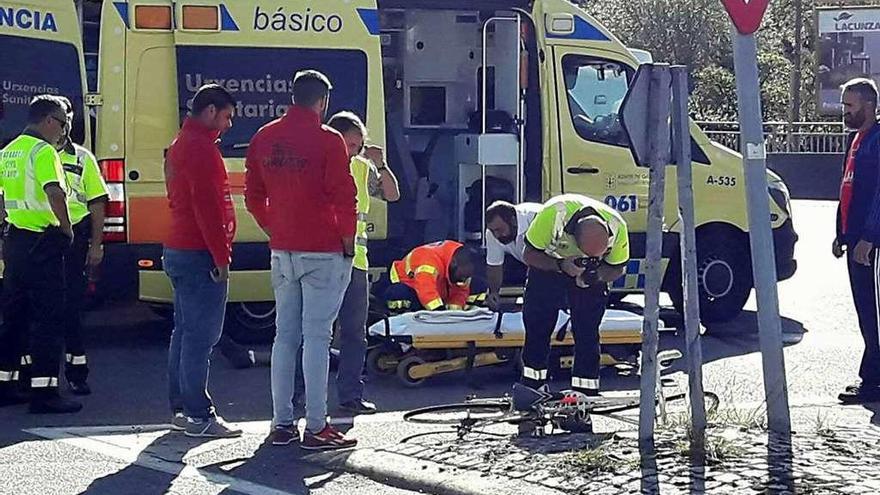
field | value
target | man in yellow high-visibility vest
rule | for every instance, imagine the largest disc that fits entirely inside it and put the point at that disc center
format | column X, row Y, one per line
column 39, row 233
column 87, row 196
column 372, row 178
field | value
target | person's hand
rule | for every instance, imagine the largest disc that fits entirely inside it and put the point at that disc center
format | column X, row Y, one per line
column 569, row 268
column 95, row 255
column 220, row 274
column 837, row 249
column 493, row 301
column 862, row 253
column 374, row 154
column 67, row 230
column 348, row 247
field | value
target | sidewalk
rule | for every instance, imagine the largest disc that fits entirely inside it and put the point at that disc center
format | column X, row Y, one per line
column 834, row 449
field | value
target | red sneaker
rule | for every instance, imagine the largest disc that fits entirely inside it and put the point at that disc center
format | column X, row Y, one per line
column 327, row 439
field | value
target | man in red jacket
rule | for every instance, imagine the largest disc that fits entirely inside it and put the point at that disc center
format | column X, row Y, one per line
column 300, row 191
column 198, row 251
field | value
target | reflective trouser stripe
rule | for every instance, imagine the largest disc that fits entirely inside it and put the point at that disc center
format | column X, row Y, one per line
column 404, row 304
column 586, row 383
column 26, row 360
column 432, row 305
column 44, row 381
column 477, row 297
column 533, row 374
column 75, row 360
column 8, row 376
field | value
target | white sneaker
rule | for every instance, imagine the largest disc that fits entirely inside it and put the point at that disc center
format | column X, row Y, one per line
column 210, row 428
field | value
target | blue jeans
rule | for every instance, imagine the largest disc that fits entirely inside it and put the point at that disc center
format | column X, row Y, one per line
column 199, row 309
column 353, row 338
column 308, row 293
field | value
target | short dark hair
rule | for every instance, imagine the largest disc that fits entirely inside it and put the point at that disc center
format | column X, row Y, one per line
column 42, row 106
column 309, row 87
column 864, row 87
column 347, row 122
column 67, row 104
column 211, row 94
column 502, row 209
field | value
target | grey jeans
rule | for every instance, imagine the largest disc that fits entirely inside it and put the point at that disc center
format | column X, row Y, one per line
column 353, row 338
column 309, row 288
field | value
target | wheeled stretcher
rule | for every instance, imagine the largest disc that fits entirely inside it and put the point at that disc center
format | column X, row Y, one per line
column 423, row 344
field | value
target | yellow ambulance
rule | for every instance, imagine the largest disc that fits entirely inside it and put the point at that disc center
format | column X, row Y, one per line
column 473, row 100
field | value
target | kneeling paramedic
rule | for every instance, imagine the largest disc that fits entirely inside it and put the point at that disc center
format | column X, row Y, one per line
column 575, row 247
column 434, row 277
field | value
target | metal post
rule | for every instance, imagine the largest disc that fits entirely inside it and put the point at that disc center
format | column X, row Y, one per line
column 748, row 93
column 682, row 151
column 658, row 130
column 794, row 112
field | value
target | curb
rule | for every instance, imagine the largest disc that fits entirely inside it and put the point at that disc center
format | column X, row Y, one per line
column 426, row 476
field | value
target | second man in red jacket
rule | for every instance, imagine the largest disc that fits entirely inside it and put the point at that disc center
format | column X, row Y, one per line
column 299, row 189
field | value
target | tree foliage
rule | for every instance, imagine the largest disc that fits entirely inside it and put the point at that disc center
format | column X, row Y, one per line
column 697, row 33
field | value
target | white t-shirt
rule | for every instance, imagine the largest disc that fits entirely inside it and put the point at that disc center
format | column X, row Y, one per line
column 495, row 251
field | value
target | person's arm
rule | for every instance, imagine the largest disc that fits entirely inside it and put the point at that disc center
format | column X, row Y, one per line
column 494, row 264
column 613, row 265
column 426, row 290
column 458, row 296
column 58, row 202
column 341, row 191
column 97, row 193
column 256, row 198
column 389, row 189
column 209, row 203
column 50, row 176
column 871, row 232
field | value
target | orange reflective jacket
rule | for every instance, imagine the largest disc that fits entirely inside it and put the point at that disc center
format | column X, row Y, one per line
column 426, row 270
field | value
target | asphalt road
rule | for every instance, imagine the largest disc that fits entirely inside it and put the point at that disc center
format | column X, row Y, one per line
column 127, row 352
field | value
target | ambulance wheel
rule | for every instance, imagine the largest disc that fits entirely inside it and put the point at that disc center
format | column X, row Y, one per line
column 403, row 370
column 723, row 274
column 250, row 322
column 382, row 361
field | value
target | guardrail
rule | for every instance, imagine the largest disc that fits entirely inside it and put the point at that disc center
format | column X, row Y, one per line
column 782, row 137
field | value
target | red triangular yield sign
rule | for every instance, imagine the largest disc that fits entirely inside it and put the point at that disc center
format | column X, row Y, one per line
column 746, row 15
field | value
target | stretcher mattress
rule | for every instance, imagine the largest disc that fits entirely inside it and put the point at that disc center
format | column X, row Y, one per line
column 479, row 324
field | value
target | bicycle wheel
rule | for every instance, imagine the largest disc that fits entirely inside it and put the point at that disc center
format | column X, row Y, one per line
column 711, row 400
column 453, row 414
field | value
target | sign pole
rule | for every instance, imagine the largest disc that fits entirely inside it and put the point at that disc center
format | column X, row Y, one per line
column 748, row 93
column 658, row 158
column 694, row 352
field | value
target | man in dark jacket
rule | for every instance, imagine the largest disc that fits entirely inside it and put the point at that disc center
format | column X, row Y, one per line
column 858, row 228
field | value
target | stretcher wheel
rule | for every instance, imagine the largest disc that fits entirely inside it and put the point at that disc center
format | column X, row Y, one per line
column 403, row 371
column 382, row 361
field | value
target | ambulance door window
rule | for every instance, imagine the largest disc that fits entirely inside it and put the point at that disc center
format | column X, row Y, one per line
column 595, row 89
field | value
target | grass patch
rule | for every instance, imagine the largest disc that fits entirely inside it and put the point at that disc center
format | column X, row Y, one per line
column 605, row 458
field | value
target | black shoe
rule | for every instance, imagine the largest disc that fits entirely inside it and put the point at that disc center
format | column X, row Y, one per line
column 80, row 388
column 358, row 407
column 859, row 395
column 14, row 397
column 54, row 405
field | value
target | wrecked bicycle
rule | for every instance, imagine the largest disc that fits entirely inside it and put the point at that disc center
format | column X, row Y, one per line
column 532, row 411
